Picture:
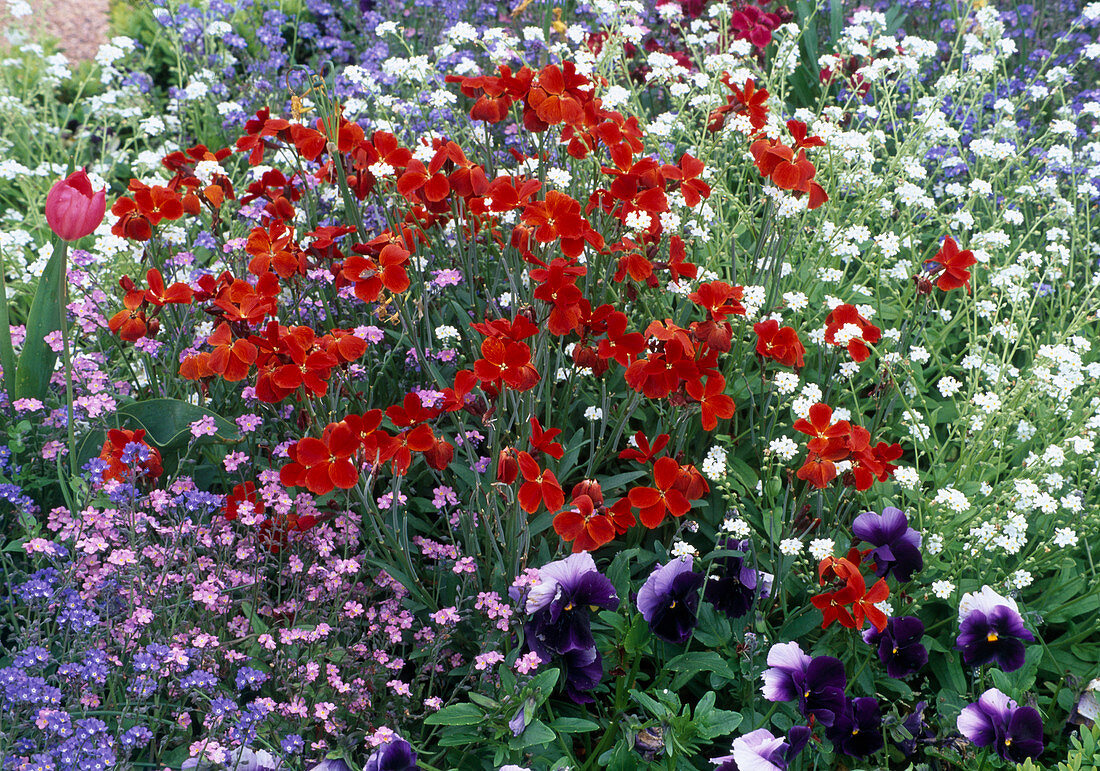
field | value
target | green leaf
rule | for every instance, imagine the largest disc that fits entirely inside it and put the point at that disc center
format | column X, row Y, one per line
column 36, row 362
column 456, row 714
column 483, row 701
column 574, row 725
column 167, row 422
column 690, row 664
column 542, row 685
column 537, row 733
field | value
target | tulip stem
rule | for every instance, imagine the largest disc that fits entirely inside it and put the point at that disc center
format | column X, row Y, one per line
column 62, row 288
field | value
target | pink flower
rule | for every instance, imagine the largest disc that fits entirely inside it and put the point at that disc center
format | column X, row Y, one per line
column 73, row 210
column 528, row 662
column 486, row 660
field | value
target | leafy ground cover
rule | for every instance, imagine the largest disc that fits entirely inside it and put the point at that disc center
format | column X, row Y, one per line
column 457, row 386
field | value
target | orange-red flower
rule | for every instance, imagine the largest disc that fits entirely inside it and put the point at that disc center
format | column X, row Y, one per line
column 845, row 327
column 540, row 486
column 129, row 457
column 663, row 498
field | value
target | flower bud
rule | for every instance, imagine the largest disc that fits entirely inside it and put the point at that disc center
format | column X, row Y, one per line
column 72, row 209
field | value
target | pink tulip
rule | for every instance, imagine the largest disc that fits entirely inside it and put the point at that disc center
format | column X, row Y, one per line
column 72, row 209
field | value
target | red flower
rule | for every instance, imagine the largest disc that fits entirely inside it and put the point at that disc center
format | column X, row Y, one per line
column 844, row 326
column 543, row 441
column 323, row 464
column 129, row 457
column 540, row 486
column 241, row 494
column 130, row 324
column 654, row 503
column 749, row 101
column 779, row 343
column 644, row 452
column 507, row 361
column 230, row 358
column 585, row 525
column 951, row 263
column 713, row 402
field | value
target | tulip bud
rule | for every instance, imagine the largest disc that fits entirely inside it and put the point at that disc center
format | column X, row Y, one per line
column 72, row 209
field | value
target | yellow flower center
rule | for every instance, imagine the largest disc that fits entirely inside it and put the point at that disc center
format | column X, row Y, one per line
column 992, row 637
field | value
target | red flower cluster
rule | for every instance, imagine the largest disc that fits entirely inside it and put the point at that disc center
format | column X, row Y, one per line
column 851, row 602
column 674, row 485
column 788, row 167
column 832, row 442
column 137, row 320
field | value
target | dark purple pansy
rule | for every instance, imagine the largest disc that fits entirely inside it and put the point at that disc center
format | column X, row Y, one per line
column 816, row 683
column 1015, row 733
column 669, row 599
column 899, row 645
column 857, row 729
column 394, row 755
column 583, row 672
column 897, row 546
column 991, row 628
column 559, row 605
column 733, row 586
column 559, row 623
column 918, row 730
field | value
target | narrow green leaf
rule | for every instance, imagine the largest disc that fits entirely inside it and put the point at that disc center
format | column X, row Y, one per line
column 36, row 362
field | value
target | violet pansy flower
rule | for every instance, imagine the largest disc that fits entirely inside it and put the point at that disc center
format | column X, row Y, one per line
column 899, row 645
column 559, row 625
column 816, row 683
column 897, row 546
column 991, row 628
column 1015, row 733
column 394, row 755
column 559, row 605
column 669, row 599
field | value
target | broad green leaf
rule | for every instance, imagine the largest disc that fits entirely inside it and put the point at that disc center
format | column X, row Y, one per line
column 456, row 714
column 167, row 422
column 574, row 725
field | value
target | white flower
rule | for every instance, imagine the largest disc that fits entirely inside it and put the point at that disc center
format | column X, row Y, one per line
column 593, row 414
column 790, row 546
column 820, row 548
column 1065, row 536
column 784, row 447
column 943, row 589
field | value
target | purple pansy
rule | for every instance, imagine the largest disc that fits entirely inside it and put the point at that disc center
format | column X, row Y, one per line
column 991, row 628
column 1015, row 733
column 761, row 751
column 897, row 546
column 394, row 755
column 817, row 683
column 857, row 729
column 669, row 599
column 559, row 605
column 559, row 623
column 899, row 645
column 734, row 587
column 918, row 729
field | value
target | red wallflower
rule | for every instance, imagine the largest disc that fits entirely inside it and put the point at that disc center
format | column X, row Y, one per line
column 749, row 101
column 587, row 525
column 951, row 264
column 540, row 486
column 323, row 464
column 779, row 343
column 128, row 466
column 663, row 498
column 714, row 403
